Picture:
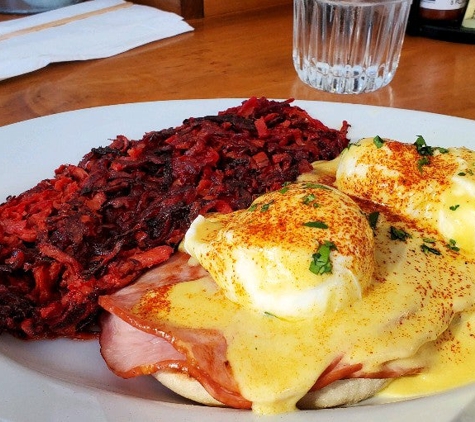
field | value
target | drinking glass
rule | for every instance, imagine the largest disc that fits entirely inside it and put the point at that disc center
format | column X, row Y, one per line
column 348, row 46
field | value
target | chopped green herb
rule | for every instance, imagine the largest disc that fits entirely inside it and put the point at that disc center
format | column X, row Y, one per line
column 452, row 245
column 428, row 240
column 285, row 187
column 284, row 190
column 310, row 185
column 321, row 262
column 398, row 234
column 316, row 224
column 373, row 219
column 265, row 207
column 422, row 147
column 310, row 200
column 307, row 199
column 378, row 141
column 454, row 207
column 462, row 173
column 271, row 315
column 426, row 150
column 424, row 161
column 428, row 249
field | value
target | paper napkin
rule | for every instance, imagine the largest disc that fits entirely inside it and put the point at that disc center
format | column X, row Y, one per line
column 90, row 30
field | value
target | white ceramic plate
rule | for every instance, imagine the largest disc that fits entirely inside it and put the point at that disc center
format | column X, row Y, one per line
column 63, row 380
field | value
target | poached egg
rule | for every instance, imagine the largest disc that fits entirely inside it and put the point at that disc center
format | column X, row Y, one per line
column 434, row 186
column 302, row 251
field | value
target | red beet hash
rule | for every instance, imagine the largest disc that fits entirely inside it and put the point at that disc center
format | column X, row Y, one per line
column 96, row 226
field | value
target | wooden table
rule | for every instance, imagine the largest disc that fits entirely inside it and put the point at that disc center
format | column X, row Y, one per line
column 236, row 55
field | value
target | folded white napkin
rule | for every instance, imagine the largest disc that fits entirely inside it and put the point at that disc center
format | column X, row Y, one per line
column 90, row 30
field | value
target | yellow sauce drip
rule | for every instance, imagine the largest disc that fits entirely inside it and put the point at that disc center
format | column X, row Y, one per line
column 276, row 361
column 452, row 363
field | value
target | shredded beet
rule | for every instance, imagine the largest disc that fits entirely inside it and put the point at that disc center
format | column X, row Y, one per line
column 96, row 226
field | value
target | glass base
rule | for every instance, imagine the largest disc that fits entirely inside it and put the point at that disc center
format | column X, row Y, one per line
column 341, row 79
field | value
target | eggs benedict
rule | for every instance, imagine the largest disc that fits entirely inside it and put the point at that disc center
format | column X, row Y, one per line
column 435, row 186
column 309, row 298
column 298, row 252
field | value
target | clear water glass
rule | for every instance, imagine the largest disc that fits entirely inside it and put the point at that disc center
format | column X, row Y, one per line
column 348, row 46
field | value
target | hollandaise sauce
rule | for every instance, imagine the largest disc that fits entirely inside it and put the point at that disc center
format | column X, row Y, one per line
column 395, row 323
column 451, row 362
column 434, row 186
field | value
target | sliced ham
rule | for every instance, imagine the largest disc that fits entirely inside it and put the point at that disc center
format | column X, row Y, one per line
column 133, row 344
column 130, row 352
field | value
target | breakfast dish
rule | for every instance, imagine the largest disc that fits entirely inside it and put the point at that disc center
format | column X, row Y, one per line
column 311, row 298
column 363, row 119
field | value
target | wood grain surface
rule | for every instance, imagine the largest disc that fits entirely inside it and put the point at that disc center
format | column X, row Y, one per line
column 236, row 55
